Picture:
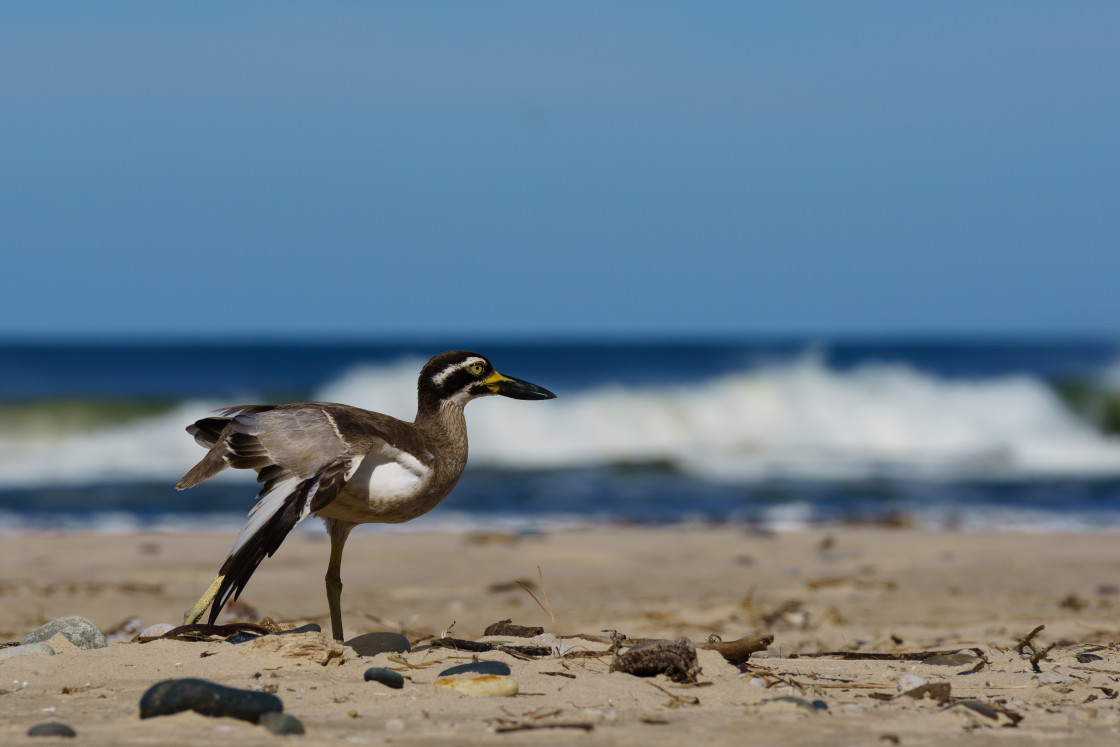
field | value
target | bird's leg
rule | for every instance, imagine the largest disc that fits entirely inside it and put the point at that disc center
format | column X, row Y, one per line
column 200, row 606
column 339, row 531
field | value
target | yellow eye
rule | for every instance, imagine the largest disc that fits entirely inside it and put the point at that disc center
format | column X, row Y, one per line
column 476, row 369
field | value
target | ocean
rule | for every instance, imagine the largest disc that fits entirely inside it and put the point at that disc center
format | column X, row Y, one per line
column 968, row 434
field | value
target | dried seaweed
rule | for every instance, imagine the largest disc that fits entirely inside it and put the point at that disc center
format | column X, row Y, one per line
column 459, row 644
column 675, row 659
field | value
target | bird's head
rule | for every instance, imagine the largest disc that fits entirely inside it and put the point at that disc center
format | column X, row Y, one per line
column 459, row 376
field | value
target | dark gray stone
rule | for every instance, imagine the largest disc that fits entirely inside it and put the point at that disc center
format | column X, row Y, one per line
column 308, row 628
column 386, row 677
column 78, row 630
column 372, row 644
column 281, row 723
column 209, row 699
column 476, row 667
column 26, row 649
column 53, row 729
column 242, row 638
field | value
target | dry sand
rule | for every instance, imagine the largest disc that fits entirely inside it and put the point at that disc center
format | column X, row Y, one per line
column 845, row 589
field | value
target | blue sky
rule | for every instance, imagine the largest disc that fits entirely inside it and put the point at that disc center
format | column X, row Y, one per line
column 579, row 168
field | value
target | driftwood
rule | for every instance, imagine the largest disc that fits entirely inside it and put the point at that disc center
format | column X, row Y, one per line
column 738, row 651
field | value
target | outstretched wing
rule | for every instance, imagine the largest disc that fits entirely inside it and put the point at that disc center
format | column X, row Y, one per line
column 300, row 455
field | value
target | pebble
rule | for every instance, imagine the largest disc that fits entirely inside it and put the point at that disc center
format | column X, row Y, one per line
column 477, row 667
column 308, row 628
column 53, row 729
column 1086, row 658
column 950, row 660
column 278, row 722
column 386, row 677
column 908, row 682
column 26, row 649
column 78, row 630
column 156, row 630
column 372, row 644
column 489, row 686
column 207, row 698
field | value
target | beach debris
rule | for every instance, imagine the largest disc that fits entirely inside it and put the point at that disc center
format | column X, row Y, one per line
column 938, row 691
column 950, row 660
column 1087, row 658
column 78, row 630
column 278, row 722
column 1041, row 654
column 991, row 711
column 477, row 667
column 507, row 628
column 501, row 587
column 738, row 651
column 502, row 726
column 386, row 677
column 313, row 645
column 459, row 644
column 372, row 644
column 1025, row 641
column 52, row 729
column 26, row 649
column 211, row 633
column 675, row 659
column 487, row 686
column 206, row 698
column 546, row 607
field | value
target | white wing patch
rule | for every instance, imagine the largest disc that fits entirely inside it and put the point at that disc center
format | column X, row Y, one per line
column 266, row 508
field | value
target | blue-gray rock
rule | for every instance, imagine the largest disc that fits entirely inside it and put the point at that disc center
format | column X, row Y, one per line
column 386, row 677
column 372, row 644
column 26, row 649
column 78, row 630
column 207, row 698
column 280, row 723
column 476, row 667
column 242, row 638
column 308, row 628
column 53, row 729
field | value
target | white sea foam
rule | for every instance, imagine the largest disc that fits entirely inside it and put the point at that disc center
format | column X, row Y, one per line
column 798, row 419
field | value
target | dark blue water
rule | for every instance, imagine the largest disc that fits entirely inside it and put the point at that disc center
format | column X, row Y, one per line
column 37, row 381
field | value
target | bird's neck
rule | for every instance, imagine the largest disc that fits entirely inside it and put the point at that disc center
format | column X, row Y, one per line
column 444, row 422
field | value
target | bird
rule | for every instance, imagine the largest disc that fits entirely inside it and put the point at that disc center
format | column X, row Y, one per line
column 346, row 465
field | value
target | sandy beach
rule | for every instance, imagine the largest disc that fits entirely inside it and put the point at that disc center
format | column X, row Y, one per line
column 860, row 590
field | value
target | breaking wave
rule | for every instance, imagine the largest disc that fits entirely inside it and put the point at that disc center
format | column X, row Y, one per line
column 798, row 420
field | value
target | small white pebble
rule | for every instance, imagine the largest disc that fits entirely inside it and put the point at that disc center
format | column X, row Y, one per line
column 908, row 682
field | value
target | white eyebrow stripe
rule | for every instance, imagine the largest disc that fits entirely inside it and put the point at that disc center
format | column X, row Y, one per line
column 441, row 377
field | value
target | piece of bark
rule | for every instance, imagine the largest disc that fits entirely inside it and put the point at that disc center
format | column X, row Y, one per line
column 506, row 627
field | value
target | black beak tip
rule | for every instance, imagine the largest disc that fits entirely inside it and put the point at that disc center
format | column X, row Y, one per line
column 517, row 389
